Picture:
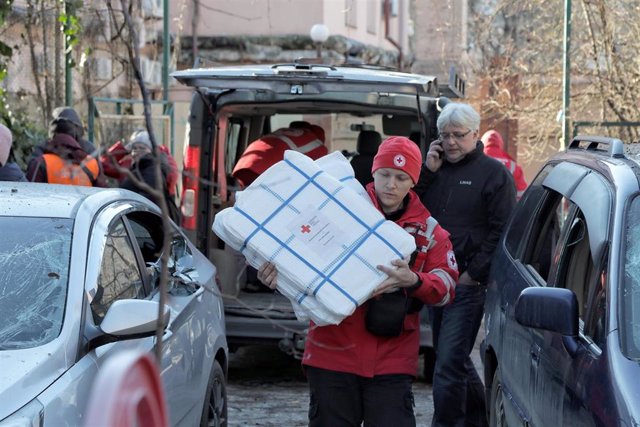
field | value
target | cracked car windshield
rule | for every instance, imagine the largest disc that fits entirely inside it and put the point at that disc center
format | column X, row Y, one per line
column 34, row 272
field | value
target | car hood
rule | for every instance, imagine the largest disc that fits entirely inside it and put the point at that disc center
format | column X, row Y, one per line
column 26, row 373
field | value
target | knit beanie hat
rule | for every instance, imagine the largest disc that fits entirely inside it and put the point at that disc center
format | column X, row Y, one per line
column 6, row 139
column 139, row 137
column 398, row 152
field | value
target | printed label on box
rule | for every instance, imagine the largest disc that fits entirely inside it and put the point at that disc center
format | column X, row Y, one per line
column 318, row 232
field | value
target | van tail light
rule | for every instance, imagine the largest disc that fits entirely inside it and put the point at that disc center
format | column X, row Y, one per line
column 190, row 187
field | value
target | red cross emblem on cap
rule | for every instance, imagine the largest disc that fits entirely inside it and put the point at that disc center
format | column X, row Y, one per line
column 399, row 160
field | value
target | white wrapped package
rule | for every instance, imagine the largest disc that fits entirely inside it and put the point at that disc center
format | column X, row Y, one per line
column 308, row 308
column 337, row 165
column 324, row 238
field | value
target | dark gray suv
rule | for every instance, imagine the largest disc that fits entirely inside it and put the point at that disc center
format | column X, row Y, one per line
column 562, row 345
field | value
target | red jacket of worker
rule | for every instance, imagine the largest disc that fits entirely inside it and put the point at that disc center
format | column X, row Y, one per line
column 269, row 149
column 494, row 147
column 350, row 347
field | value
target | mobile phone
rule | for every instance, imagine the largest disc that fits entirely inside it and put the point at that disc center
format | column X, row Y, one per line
column 438, row 142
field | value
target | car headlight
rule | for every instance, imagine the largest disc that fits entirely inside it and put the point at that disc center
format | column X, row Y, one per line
column 30, row 415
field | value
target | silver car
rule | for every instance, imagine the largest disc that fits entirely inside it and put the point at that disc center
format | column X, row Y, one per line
column 75, row 264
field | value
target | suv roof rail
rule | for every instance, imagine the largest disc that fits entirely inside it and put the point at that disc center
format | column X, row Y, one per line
column 612, row 146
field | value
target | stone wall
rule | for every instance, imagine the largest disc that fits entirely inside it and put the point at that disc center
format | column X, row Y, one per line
column 229, row 50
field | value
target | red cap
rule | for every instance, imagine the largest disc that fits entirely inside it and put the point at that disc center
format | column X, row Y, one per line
column 398, row 152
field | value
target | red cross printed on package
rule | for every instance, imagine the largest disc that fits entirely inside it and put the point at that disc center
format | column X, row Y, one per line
column 305, row 229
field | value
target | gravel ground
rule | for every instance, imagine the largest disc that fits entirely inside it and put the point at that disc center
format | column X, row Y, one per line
column 284, row 404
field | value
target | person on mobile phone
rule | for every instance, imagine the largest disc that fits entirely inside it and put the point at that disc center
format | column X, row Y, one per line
column 471, row 195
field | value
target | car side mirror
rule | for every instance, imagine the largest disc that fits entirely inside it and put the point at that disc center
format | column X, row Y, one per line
column 551, row 309
column 133, row 317
column 129, row 319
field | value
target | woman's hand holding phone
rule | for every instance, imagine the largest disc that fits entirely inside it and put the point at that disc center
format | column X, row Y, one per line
column 435, row 155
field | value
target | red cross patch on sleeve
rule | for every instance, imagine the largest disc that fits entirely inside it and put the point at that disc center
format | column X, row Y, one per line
column 451, row 260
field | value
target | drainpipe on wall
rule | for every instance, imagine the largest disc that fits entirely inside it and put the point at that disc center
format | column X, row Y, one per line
column 387, row 16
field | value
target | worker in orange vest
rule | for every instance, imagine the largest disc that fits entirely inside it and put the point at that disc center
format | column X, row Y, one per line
column 64, row 161
column 269, row 149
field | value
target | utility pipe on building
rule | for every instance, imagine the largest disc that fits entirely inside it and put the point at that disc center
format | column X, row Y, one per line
column 387, row 36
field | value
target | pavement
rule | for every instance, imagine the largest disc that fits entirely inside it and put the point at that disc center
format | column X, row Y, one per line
column 267, row 388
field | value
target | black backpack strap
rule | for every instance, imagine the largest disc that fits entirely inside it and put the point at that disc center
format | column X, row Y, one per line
column 92, row 178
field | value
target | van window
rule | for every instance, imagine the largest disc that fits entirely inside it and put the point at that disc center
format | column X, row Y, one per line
column 341, row 129
column 232, row 143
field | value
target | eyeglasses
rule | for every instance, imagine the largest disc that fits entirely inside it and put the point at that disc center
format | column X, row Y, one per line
column 455, row 135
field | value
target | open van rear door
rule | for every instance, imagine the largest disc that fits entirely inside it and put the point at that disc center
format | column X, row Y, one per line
column 306, row 79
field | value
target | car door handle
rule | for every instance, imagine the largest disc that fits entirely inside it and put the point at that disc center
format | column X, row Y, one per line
column 535, row 358
column 535, row 355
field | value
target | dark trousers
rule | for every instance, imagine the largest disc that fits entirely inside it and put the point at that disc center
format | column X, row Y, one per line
column 339, row 399
column 458, row 392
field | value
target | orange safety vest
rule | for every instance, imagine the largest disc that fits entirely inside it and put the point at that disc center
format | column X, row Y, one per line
column 60, row 171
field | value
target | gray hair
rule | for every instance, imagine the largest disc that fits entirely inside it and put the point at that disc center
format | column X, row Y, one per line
column 460, row 115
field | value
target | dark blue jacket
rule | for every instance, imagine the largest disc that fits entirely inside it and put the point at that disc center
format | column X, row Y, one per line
column 11, row 172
